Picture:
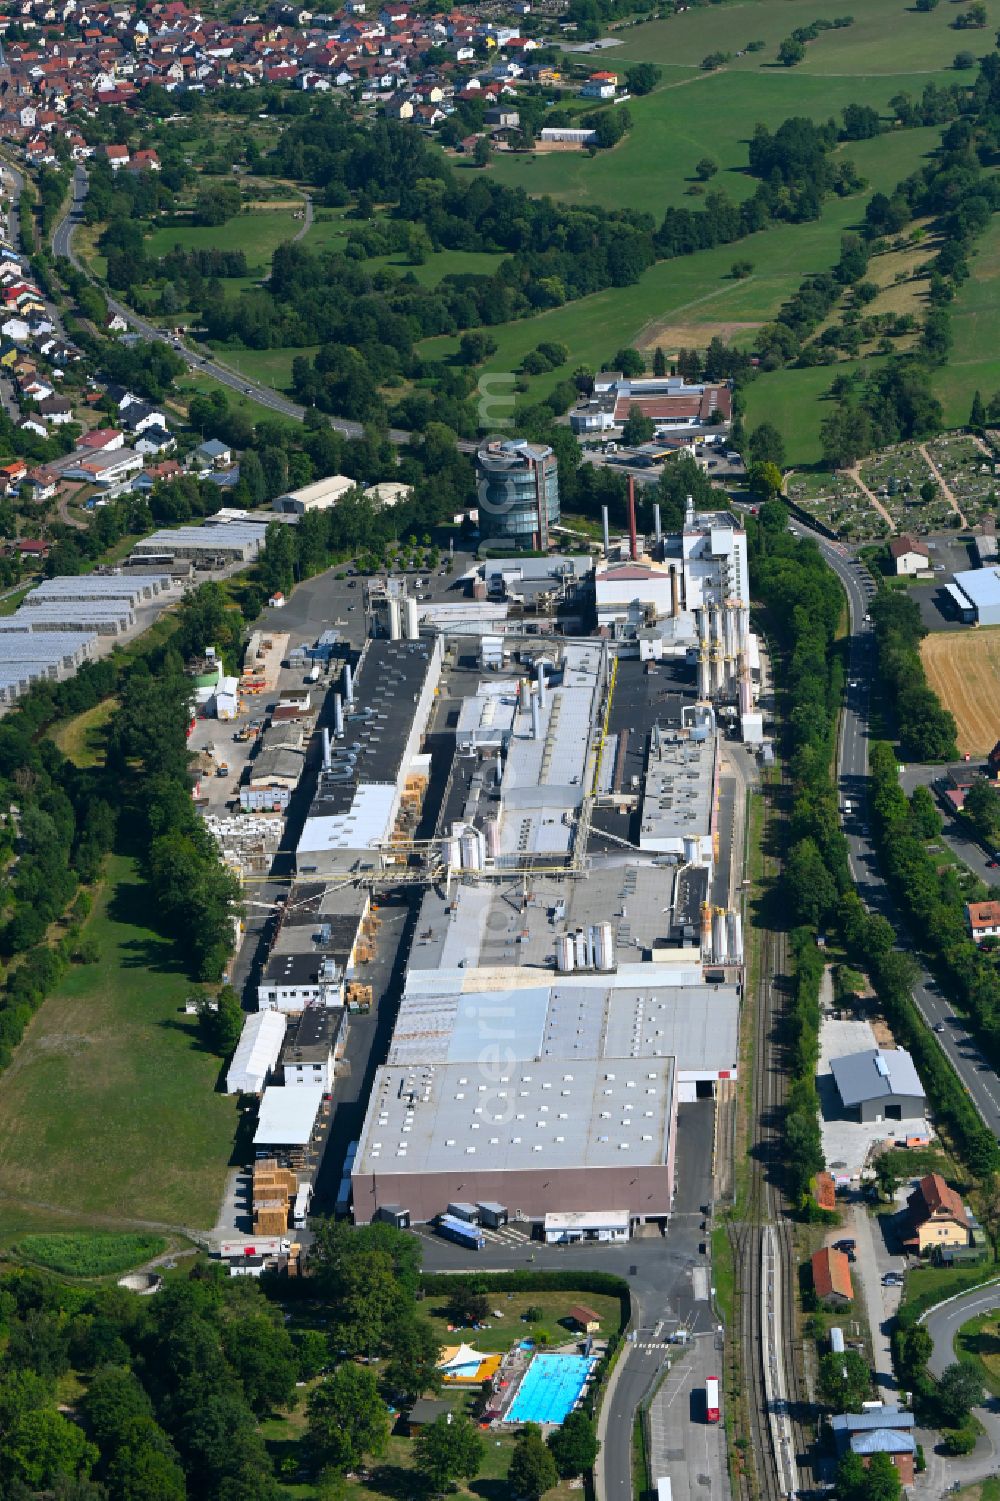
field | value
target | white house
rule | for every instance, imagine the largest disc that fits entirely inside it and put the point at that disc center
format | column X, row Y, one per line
column 909, row 555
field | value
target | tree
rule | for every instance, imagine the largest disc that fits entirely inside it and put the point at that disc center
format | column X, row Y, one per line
column 347, row 1418
column 765, row 481
column 977, row 416
column 926, row 818
column 857, row 1481
column 982, row 809
column 925, row 5
column 630, row 362
column 467, row 1306
column 638, row 427
column 927, row 491
column 642, row 78
column 844, row 1380
column 808, row 884
column 220, row 1022
column 958, row 1391
column 482, row 152
column 532, row 1469
column 413, row 1351
column 791, row 52
column 886, row 1175
column 963, row 61
column 705, row 168
column 448, row 1450
column 659, row 361
column 575, row 1445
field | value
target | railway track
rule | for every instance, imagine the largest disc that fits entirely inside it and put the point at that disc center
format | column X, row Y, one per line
column 763, row 1364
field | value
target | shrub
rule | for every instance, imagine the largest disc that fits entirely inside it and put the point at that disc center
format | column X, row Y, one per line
column 90, row 1254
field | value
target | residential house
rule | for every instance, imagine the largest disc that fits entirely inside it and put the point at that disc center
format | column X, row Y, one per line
column 40, row 484
column 937, row 1216
column 831, row 1272
column 909, row 555
column 211, row 454
column 102, row 439
column 879, row 1430
column 983, row 919
column 600, row 86
column 56, row 410
column 116, row 157
column 152, row 440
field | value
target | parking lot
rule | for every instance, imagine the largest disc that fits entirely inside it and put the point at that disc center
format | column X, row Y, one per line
column 949, row 555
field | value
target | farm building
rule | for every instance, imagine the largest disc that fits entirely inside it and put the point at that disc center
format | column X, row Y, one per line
column 831, row 1273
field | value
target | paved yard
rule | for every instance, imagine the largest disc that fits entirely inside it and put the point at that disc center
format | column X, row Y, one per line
column 683, row 1446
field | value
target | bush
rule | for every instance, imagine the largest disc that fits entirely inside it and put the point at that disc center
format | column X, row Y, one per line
column 959, row 1441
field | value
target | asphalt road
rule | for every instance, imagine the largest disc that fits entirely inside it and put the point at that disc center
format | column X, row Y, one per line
column 62, row 245
column 942, row 1324
column 958, row 1047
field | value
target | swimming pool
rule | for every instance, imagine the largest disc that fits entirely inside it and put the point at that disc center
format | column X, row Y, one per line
column 549, row 1387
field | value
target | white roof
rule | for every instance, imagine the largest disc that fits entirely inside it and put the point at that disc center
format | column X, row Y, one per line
column 369, row 822
column 287, row 1115
column 256, row 1052
column 578, row 1219
column 981, row 586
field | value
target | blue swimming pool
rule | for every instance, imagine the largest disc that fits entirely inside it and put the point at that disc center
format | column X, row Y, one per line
column 549, row 1387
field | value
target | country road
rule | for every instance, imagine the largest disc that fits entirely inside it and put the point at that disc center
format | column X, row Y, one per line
column 62, row 245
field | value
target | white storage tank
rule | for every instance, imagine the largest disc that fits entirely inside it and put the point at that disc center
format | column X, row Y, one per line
column 492, row 831
column 719, row 947
column 565, row 957
column 451, row 851
column 580, row 941
column 734, row 923
column 395, row 620
column 524, row 694
column 604, row 947
column 473, row 849
column 410, row 616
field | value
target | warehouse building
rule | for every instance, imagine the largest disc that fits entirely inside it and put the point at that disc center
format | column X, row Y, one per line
column 373, row 776
column 978, row 595
column 256, row 1054
column 679, row 796
column 101, row 617
column 206, row 546
column 537, row 1137
column 320, row 496
column 313, row 1046
column 880, row 1084
column 134, row 588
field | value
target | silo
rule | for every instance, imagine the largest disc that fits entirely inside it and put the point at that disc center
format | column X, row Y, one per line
column 348, row 685
column 719, row 938
column 565, row 956
column 338, row 715
column 524, row 694
column 472, row 844
column 395, row 626
column 492, row 832
column 410, row 616
column 734, row 923
column 604, row 947
column 451, row 851
column 581, row 949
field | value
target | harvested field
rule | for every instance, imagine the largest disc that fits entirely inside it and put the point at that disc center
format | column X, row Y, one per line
column 963, row 668
column 670, row 336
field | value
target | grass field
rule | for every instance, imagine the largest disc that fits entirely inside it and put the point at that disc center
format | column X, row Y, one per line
column 108, row 1109
column 81, row 739
column 256, row 232
column 963, row 668
column 888, row 39
column 706, row 114
column 978, row 1341
column 512, row 1325
column 974, row 361
column 699, row 287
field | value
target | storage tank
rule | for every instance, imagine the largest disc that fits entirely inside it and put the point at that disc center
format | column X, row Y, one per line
column 565, row 956
column 524, row 695
column 492, row 831
column 734, row 924
column 604, row 948
column 410, row 617
column 719, row 938
column 395, row 620
column 580, row 940
column 451, row 851
column 348, row 684
column 473, row 849
column 338, row 716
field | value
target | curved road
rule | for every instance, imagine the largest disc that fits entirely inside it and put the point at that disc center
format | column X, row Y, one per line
column 942, row 1324
column 62, row 245
column 957, row 1044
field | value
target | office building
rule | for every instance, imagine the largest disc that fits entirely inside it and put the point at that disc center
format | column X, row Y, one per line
column 518, row 490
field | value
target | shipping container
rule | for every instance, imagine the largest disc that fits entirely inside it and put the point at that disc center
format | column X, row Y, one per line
column 461, row 1233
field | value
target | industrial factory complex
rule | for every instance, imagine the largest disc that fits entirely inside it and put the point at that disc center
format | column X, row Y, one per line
column 563, row 808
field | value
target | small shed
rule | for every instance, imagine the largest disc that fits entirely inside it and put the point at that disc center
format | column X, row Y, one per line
column 424, row 1412
column 588, row 1320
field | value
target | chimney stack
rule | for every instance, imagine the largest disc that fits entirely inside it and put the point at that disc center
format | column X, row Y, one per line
column 607, row 539
column 633, row 544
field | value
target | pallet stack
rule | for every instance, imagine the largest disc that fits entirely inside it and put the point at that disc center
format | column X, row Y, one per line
column 274, row 1190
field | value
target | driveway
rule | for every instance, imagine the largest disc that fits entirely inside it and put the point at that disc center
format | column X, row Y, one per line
column 942, row 1324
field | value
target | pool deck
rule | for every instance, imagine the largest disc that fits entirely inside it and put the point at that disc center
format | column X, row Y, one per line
column 546, row 1424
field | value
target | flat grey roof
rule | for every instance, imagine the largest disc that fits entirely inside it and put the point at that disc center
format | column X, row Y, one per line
column 44, row 646
column 540, row 1115
column 572, row 1017
column 876, row 1074
column 104, row 586
column 677, row 794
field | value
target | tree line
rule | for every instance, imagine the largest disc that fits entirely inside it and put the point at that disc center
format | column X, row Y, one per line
column 927, row 731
